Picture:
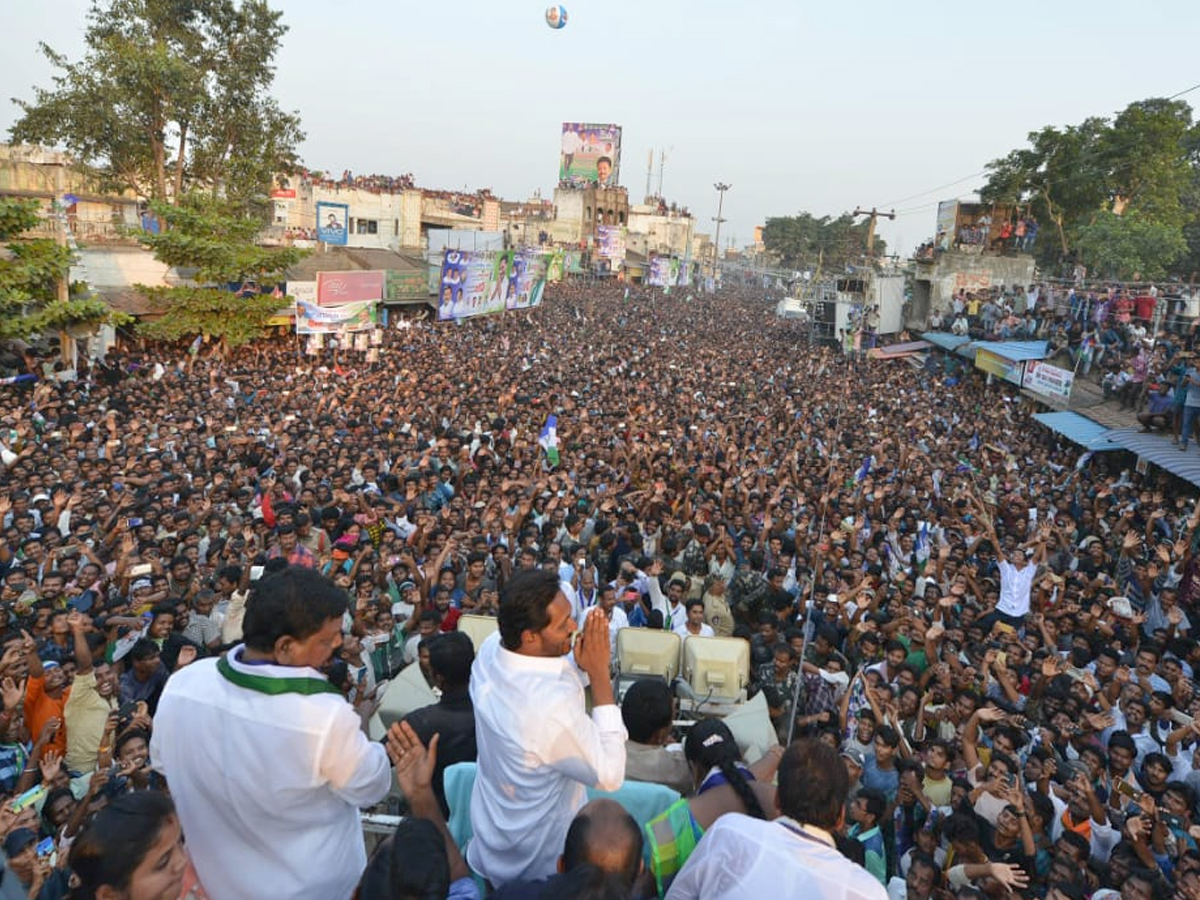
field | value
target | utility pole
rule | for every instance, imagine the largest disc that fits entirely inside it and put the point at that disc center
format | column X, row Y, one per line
column 874, row 214
column 649, row 173
column 720, row 187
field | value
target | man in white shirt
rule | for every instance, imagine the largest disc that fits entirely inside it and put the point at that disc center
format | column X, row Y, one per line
column 790, row 858
column 694, row 625
column 1016, row 578
column 539, row 750
column 295, row 766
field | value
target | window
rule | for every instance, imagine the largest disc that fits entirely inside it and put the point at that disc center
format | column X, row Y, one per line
column 367, row 226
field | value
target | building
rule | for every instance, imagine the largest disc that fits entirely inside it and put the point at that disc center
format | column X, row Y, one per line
column 966, row 256
column 92, row 213
column 579, row 211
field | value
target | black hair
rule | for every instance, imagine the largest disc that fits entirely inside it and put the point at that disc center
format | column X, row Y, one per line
column 144, row 649
column 113, row 845
column 874, row 801
column 711, row 744
column 586, row 882
column 450, row 655
column 646, row 709
column 921, row 858
column 295, row 602
column 813, row 784
column 525, row 604
column 888, row 735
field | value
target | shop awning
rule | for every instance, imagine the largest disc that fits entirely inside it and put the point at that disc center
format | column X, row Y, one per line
column 1078, row 429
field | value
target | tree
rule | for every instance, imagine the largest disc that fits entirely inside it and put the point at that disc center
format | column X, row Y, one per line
column 171, row 96
column 30, row 272
column 1132, row 247
column 1084, row 179
column 804, row 241
column 216, row 239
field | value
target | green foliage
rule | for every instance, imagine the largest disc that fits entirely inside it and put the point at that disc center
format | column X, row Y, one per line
column 171, row 96
column 1132, row 247
column 191, row 311
column 29, row 276
column 216, row 240
column 802, row 240
column 1079, row 179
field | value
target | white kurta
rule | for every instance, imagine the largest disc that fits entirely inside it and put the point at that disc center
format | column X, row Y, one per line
column 268, row 786
column 744, row 857
column 538, row 752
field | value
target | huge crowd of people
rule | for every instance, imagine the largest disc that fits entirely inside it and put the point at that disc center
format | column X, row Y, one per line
column 977, row 638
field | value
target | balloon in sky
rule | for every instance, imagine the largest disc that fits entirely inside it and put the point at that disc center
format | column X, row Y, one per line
column 556, row 16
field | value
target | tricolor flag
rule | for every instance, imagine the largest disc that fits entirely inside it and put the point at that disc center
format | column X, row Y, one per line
column 548, row 439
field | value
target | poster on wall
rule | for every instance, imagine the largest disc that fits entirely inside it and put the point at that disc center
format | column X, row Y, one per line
column 333, row 223
column 610, row 242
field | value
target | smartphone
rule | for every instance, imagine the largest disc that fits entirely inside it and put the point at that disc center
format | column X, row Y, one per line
column 141, row 569
column 45, row 847
column 29, row 798
column 256, row 572
column 135, row 522
column 1124, row 787
column 1002, row 657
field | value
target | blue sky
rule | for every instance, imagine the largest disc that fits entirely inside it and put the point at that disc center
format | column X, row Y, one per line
column 799, row 106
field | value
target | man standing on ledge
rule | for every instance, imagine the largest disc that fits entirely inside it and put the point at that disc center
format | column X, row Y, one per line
column 266, row 760
column 539, row 750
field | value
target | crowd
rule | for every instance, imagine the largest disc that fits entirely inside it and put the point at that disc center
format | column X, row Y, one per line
column 978, row 638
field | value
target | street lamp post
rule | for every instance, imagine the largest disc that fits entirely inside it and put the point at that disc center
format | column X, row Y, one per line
column 721, row 187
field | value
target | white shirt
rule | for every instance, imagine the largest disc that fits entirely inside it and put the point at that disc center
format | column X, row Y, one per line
column 539, row 751
column 705, row 631
column 268, row 786
column 1015, row 585
column 740, row 857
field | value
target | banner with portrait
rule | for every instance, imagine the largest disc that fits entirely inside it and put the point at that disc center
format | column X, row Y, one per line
column 610, row 242
column 666, row 271
column 475, row 284
column 556, row 265
column 349, row 317
column 590, row 154
column 530, row 268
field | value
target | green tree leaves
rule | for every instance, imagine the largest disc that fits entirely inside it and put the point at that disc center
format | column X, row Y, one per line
column 30, row 270
column 804, row 241
column 1118, row 194
column 215, row 239
column 171, row 96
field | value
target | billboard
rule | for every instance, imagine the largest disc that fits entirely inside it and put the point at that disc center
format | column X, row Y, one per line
column 412, row 284
column 348, row 287
column 333, row 223
column 530, row 268
column 555, row 266
column 1047, row 380
column 590, row 154
column 989, row 362
column 667, row 271
column 610, row 242
column 348, row 317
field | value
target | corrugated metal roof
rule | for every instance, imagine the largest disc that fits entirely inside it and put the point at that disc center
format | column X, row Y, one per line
column 1017, row 351
column 1158, row 449
column 945, row 339
column 1078, row 429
